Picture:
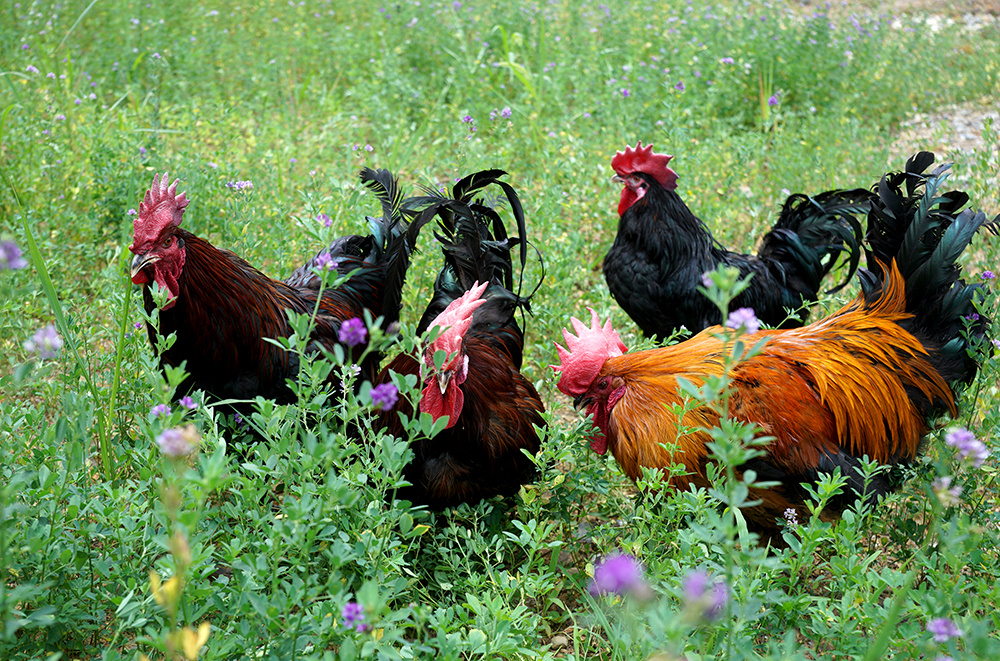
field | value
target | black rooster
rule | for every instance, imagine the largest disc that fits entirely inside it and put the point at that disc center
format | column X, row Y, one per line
column 655, row 266
column 492, row 409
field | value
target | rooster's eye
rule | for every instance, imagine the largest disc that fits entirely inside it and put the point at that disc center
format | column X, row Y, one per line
column 602, row 384
column 167, row 241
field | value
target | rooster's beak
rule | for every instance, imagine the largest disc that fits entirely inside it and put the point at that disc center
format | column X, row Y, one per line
column 581, row 401
column 617, row 179
column 443, row 379
column 139, row 262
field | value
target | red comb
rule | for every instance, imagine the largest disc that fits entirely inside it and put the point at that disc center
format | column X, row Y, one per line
column 161, row 208
column 644, row 159
column 587, row 350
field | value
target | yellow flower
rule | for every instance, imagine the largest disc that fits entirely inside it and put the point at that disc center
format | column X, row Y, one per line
column 165, row 594
column 192, row 640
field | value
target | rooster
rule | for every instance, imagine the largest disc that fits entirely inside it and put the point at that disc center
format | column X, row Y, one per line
column 661, row 251
column 866, row 380
column 223, row 310
column 471, row 369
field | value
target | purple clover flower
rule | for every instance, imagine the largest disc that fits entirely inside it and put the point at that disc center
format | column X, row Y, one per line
column 45, row 343
column 705, row 595
column 618, row 573
column 987, row 275
column 353, row 332
column 160, row 410
column 31, row 68
column 727, row 60
column 679, row 86
column 792, row 516
column 772, row 100
column 506, row 113
column 188, row 403
column 467, row 119
column 968, row 445
column 353, row 615
column 745, row 318
column 625, row 93
column 176, row 443
column 943, row 629
column 10, row 256
column 325, row 261
column 325, row 219
column 240, row 185
column 384, row 396
column 706, row 279
column 948, row 495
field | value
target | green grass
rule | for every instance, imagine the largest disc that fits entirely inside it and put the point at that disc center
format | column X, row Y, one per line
column 297, row 97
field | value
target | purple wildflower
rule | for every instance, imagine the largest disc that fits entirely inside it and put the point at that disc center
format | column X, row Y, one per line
column 188, row 403
column 943, row 629
column 967, row 445
column 31, row 68
column 353, row 615
column 178, row 442
column 467, row 119
column 325, row 261
column 156, row 56
column 160, row 410
column 726, row 60
column 626, row 93
column 384, row 396
column 238, row 419
column 25, row 46
column 60, row 117
column 745, row 318
column 137, row 325
column 706, row 279
column 46, row 342
column 792, row 516
column 10, row 256
column 325, row 219
column 679, row 86
column 240, row 185
column 619, row 573
column 353, row 332
column 772, row 100
column 142, row 152
column 506, row 113
column 293, row 161
column 704, row 595
column 948, row 495
column 131, row 212
column 51, row 75
column 456, row 5
column 369, row 148
column 972, row 316
column 987, row 275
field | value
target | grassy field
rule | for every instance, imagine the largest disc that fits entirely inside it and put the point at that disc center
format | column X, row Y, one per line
column 110, row 550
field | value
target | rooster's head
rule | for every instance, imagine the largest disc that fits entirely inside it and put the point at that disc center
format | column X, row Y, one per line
column 159, row 253
column 635, row 167
column 581, row 364
column 442, row 394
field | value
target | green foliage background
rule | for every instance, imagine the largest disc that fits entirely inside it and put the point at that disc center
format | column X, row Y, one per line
column 95, row 97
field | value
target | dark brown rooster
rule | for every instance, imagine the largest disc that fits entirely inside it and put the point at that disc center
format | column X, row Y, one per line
column 222, row 309
column 866, row 380
column 471, row 370
column 655, row 266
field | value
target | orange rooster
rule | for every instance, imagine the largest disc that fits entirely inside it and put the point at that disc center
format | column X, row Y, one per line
column 865, row 380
